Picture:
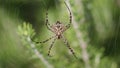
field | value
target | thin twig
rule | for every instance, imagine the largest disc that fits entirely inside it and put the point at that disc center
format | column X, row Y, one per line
column 38, row 54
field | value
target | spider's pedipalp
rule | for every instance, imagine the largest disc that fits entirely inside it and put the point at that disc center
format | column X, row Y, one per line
column 68, row 45
column 51, row 46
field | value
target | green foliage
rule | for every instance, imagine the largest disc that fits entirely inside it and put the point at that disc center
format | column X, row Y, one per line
column 93, row 35
column 26, row 30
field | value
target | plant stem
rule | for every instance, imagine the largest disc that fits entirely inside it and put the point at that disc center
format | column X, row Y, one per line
column 40, row 56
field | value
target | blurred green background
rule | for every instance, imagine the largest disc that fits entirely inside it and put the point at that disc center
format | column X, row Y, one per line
column 94, row 34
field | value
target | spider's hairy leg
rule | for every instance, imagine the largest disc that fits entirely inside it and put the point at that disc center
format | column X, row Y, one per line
column 51, row 46
column 46, row 40
column 47, row 22
column 70, row 18
column 68, row 45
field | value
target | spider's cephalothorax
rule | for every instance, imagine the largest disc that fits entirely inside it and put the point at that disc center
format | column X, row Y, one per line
column 58, row 29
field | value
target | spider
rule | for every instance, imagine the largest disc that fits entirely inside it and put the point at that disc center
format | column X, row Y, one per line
column 58, row 29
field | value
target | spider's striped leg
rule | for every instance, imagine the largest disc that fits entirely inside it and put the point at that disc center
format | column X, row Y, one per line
column 51, row 46
column 70, row 20
column 46, row 40
column 67, row 44
column 47, row 22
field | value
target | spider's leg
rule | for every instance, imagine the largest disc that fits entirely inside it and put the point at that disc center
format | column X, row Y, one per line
column 47, row 22
column 68, row 45
column 46, row 40
column 70, row 20
column 51, row 46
